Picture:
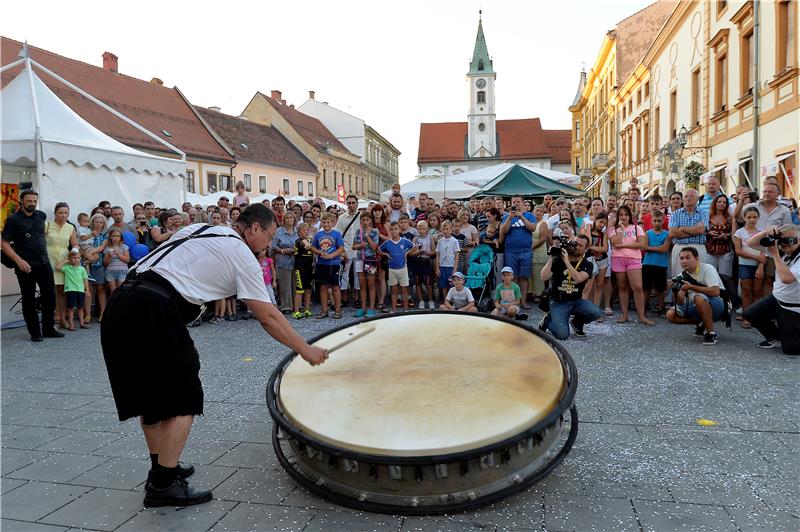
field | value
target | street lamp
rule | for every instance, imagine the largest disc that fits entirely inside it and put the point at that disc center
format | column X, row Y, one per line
column 683, row 136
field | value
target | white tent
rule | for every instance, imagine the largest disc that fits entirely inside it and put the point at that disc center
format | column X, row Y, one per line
column 454, row 186
column 70, row 160
column 562, row 177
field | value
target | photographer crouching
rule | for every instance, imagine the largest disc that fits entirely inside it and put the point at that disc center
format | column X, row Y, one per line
column 569, row 270
column 696, row 291
column 783, row 305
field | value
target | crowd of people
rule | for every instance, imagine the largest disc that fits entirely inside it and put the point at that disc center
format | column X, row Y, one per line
column 690, row 258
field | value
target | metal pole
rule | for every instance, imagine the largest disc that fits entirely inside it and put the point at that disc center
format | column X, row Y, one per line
column 756, row 87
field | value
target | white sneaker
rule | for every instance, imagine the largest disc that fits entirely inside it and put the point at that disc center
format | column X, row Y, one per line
column 421, row 305
column 431, row 305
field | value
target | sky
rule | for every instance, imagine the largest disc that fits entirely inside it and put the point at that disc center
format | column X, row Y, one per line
column 393, row 64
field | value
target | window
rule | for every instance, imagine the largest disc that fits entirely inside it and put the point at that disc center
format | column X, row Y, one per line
column 786, row 34
column 224, row 182
column 638, row 143
column 248, row 182
column 286, row 185
column 638, row 97
column 673, row 114
column 787, row 174
column 211, row 182
column 577, row 130
column 646, row 135
column 350, row 182
column 262, row 184
column 646, row 89
column 189, row 180
column 311, row 189
column 480, row 65
column 363, row 191
column 335, row 183
column 657, row 129
column 481, row 97
column 630, row 106
column 696, row 99
column 721, row 83
column 722, row 5
column 747, row 73
column 325, row 178
column 299, row 188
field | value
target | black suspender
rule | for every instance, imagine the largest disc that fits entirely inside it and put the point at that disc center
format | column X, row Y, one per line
column 170, row 245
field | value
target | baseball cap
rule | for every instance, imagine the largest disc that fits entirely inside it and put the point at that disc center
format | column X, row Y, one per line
column 507, row 269
column 457, row 274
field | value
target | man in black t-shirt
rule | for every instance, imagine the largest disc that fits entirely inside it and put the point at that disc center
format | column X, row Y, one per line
column 568, row 275
column 24, row 243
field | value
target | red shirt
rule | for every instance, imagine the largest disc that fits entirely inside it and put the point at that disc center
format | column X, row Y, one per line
column 647, row 221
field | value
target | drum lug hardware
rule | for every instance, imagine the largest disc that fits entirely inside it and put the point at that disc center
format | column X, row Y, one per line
column 414, row 502
column 310, row 452
column 333, row 463
column 505, row 456
column 373, row 471
column 521, row 448
column 487, row 460
column 418, row 474
column 444, row 498
column 395, row 472
column 530, row 444
column 320, row 482
column 362, row 496
column 517, row 479
column 441, row 470
column 351, row 466
column 471, row 495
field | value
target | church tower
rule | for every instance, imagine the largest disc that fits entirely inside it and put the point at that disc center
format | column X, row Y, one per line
column 482, row 134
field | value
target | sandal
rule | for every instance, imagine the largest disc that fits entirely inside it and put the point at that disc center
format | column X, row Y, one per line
column 746, row 325
column 72, row 329
column 85, row 326
column 337, row 315
column 608, row 311
column 322, row 315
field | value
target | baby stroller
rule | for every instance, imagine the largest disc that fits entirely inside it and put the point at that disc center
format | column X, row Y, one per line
column 480, row 276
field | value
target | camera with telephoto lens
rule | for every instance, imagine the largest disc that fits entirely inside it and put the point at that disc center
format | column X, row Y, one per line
column 563, row 242
column 677, row 282
column 768, row 241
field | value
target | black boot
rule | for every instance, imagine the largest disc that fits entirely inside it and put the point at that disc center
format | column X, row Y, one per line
column 178, row 493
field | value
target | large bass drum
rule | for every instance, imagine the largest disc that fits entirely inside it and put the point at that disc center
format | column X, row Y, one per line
column 425, row 412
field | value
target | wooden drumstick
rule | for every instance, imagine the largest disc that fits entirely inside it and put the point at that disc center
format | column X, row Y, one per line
column 352, row 338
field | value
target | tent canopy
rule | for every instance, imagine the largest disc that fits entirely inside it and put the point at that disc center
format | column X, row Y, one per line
column 74, row 161
column 522, row 181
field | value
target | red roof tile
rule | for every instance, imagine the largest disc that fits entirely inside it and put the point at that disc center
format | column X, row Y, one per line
column 518, row 139
column 560, row 142
column 312, row 130
column 256, row 143
column 152, row 106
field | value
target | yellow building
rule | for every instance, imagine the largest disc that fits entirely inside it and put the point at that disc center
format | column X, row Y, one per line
column 692, row 98
column 595, row 109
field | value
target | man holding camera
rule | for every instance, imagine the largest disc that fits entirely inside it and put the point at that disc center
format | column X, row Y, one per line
column 783, row 305
column 697, row 295
column 517, row 232
column 568, row 269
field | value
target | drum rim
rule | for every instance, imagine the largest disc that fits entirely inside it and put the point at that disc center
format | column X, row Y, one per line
column 563, row 405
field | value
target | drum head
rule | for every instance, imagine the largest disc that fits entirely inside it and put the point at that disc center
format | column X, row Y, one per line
column 424, row 384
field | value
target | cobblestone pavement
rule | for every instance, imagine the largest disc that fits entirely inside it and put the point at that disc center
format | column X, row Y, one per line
column 641, row 461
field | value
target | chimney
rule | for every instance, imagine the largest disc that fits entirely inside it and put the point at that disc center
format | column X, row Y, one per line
column 310, row 95
column 157, row 81
column 276, row 95
column 215, row 109
column 292, row 106
column 110, row 62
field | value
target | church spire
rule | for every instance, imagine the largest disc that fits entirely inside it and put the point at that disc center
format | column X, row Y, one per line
column 481, row 62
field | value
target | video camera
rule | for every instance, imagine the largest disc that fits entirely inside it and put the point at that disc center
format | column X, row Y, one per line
column 679, row 280
column 770, row 240
column 563, row 242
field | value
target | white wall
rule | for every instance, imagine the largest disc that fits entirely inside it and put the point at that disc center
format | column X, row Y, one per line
column 348, row 129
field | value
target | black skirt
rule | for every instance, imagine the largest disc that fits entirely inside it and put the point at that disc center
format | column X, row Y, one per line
column 151, row 359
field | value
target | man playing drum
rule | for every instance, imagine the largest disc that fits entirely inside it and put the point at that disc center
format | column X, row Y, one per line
column 161, row 384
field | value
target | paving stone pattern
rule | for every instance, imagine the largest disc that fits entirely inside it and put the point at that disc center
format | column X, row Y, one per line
column 641, row 461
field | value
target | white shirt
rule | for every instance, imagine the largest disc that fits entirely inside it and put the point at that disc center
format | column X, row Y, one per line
column 207, row 269
column 708, row 276
column 788, row 293
column 341, row 224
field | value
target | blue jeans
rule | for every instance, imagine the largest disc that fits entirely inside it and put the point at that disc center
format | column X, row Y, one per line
column 558, row 322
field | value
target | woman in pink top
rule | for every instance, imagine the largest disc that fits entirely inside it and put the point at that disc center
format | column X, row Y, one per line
column 627, row 241
column 241, row 195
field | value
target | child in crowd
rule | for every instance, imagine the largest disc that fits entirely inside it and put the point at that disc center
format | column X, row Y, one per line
column 83, row 229
column 458, row 297
column 116, row 257
column 656, row 261
column 328, row 245
column 507, row 295
column 268, row 271
column 423, row 265
column 410, row 234
column 447, row 252
column 598, row 248
column 489, row 237
column 751, row 261
column 397, row 250
column 303, row 273
column 365, row 242
column 76, row 284
column 461, row 238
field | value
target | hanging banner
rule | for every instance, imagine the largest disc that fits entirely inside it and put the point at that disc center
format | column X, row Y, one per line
column 769, row 169
column 340, row 193
column 9, row 202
